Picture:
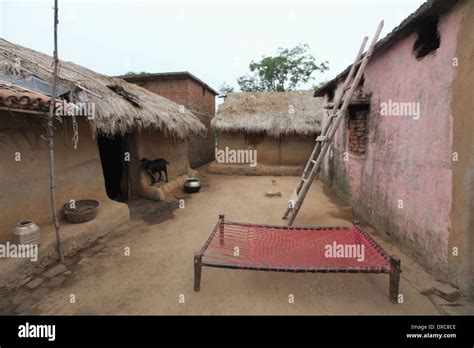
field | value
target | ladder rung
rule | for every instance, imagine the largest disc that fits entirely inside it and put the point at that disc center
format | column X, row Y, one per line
column 321, row 138
column 352, row 82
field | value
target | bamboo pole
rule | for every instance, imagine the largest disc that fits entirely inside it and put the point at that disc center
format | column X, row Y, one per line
column 52, row 176
column 335, row 125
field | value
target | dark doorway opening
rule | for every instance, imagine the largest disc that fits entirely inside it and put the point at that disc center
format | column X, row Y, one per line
column 428, row 37
column 114, row 153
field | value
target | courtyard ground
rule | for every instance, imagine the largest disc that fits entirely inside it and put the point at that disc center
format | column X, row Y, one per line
column 146, row 266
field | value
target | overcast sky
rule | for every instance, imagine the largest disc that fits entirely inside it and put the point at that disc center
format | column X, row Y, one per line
column 215, row 40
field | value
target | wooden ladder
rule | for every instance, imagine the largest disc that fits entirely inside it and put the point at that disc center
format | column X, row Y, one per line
column 336, row 115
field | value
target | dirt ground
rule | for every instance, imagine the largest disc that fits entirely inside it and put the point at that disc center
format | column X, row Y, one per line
column 157, row 275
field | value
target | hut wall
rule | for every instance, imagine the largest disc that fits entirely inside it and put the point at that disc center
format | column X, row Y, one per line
column 24, row 184
column 153, row 144
column 197, row 98
column 287, row 150
column 403, row 184
column 462, row 213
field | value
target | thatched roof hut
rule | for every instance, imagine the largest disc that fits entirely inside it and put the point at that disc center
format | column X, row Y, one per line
column 273, row 113
column 120, row 106
column 278, row 127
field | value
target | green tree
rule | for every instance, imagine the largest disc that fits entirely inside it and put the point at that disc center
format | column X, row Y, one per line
column 225, row 88
column 286, row 71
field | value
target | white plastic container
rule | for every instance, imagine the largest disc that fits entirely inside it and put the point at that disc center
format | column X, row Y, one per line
column 26, row 232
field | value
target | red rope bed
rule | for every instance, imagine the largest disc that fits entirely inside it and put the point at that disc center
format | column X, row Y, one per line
column 295, row 249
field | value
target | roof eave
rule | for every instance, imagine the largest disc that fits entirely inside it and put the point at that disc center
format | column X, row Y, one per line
column 406, row 27
column 170, row 75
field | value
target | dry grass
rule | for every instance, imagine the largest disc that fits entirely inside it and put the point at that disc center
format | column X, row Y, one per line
column 114, row 113
column 273, row 113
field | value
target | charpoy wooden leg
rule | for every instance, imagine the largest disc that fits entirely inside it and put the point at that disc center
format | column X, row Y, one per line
column 221, row 230
column 197, row 271
column 394, row 278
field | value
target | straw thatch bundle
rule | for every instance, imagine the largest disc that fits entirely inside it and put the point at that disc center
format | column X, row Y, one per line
column 273, row 113
column 119, row 105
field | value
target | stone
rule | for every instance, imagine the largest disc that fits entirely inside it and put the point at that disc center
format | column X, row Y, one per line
column 67, row 273
column 447, row 292
column 40, row 293
column 273, row 193
column 25, row 281
column 35, row 283
column 87, row 253
column 442, row 290
column 98, row 247
column 438, row 301
column 57, row 281
column 20, row 297
column 4, row 303
column 22, row 308
column 84, row 261
column 55, row 270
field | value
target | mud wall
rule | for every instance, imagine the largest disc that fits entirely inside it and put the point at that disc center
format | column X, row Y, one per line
column 461, row 267
column 403, row 184
column 24, row 184
column 153, row 144
column 287, row 150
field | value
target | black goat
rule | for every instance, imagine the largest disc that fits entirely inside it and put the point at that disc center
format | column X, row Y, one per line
column 154, row 166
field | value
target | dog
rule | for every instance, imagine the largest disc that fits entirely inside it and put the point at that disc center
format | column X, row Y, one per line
column 153, row 166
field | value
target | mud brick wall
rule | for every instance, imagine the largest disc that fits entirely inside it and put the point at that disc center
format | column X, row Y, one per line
column 197, row 98
column 411, row 160
column 358, row 132
column 201, row 101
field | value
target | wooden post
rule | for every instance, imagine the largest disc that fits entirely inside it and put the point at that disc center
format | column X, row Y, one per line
column 197, row 270
column 394, row 278
column 221, row 230
column 50, row 125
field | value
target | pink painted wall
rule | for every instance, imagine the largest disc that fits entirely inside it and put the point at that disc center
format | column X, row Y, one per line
column 405, row 159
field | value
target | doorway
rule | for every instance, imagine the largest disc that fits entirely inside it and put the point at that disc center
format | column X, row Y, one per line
column 115, row 166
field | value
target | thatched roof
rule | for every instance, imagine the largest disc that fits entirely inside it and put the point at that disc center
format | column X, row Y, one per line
column 410, row 24
column 273, row 113
column 120, row 106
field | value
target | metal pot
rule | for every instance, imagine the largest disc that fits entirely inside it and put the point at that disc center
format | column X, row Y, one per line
column 26, row 232
column 192, row 185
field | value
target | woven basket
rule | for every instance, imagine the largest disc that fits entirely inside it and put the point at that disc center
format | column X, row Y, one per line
column 85, row 210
